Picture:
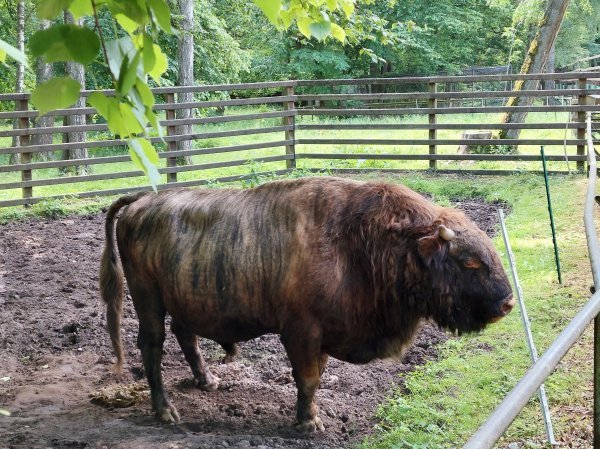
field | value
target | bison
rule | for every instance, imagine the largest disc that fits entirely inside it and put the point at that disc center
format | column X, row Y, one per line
column 336, row 267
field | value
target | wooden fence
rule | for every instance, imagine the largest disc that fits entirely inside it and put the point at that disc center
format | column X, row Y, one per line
column 243, row 132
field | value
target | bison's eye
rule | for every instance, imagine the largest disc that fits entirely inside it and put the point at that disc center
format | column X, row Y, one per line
column 472, row 264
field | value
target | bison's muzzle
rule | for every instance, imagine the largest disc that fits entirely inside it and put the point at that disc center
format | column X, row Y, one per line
column 504, row 309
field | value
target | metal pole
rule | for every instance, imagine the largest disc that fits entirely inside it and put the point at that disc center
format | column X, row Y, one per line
column 594, row 251
column 551, row 216
column 526, row 325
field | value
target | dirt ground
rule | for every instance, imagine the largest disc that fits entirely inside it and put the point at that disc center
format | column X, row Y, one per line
column 55, row 353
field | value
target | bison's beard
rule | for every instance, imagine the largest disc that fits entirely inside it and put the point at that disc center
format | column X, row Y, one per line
column 460, row 319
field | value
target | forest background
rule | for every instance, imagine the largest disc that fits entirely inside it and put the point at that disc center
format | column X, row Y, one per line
column 234, row 42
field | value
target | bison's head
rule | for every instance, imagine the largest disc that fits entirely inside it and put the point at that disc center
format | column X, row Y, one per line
column 466, row 280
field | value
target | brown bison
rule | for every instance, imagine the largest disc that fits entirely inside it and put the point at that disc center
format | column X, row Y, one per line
column 336, row 267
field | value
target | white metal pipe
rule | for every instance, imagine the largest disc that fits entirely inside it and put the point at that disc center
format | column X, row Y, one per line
column 527, row 327
column 513, row 403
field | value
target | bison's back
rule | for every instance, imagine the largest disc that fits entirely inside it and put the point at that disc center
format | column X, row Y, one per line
column 240, row 262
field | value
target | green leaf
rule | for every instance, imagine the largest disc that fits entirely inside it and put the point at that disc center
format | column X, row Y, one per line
column 80, row 8
column 138, row 109
column 117, row 51
column 135, row 10
column 320, row 30
column 49, row 9
column 83, row 45
column 304, row 26
column 147, row 99
column 17, row 55
column 332, row 5
column 119, row 116
column 65, row 43
column 135, row 70
column 130, row 26
column 338, row 32
column 56, row 93
column 128, row 74
column 145, row 93
column 146, row 158
column 100, row 102
column 130, row 122
column 271, row 9
column 348, row 7
column 162, row 14
column 160, row 66
column 153, row 120
column 148, row 54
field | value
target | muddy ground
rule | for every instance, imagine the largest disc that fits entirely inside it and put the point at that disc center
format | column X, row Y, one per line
column 55, row 353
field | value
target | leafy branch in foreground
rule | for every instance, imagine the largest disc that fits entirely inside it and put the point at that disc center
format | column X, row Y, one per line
column 130, row 59
column 134, row 57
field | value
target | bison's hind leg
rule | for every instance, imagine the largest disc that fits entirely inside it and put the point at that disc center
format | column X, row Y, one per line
column 189, row 345
column 232, row 350
column 151, row 336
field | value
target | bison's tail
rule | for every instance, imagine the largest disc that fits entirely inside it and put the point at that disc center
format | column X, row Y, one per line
column 111, row 279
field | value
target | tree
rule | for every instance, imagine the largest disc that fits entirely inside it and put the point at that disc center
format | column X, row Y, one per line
column 20, row 78
column 43, row 73
column 535, row 60
column 76, row 71
column 185, row 56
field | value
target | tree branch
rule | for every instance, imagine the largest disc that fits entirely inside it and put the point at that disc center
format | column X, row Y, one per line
column 100, row 33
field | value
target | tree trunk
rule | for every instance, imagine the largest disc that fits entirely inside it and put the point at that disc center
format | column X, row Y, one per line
column 76, row 71
column 537, row 57
column 551, row 68
column 20, row 79
column 43, row 73
column 186, row 74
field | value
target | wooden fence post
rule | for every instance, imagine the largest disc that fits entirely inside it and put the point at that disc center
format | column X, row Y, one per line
column 25, row 140
column 581, row 100
column 432, row 103
column 171, row 131
column 291, row 134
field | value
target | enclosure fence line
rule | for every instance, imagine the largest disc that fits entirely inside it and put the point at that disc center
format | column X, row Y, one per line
column 497, row 423
column 247, row 131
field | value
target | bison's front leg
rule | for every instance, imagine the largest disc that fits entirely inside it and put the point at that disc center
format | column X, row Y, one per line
column 189, row 345
column 304, row 352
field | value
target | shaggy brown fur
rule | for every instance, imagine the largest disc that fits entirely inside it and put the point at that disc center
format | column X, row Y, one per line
column 336, row 267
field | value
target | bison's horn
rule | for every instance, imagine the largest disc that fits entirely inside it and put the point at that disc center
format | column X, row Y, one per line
column 447, row 233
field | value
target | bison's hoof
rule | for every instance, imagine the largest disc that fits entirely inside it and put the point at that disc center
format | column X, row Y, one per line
column 227, row 359
column 312, row 425
column 168, row 414
column 211, row 383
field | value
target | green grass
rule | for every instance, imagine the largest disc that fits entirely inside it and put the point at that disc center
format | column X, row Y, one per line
column 441, row 149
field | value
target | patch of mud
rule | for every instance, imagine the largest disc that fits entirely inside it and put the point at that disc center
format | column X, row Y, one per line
column 55, row 353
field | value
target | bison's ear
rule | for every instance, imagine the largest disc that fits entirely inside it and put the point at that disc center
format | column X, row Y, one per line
column 430, row 247
column 433, row 246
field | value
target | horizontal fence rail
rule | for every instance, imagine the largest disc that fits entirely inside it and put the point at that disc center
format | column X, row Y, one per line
column 244, row 132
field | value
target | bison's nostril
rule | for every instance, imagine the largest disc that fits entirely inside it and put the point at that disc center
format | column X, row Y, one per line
column 507, row 306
